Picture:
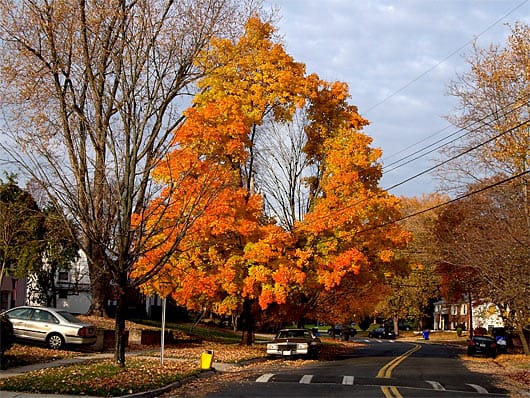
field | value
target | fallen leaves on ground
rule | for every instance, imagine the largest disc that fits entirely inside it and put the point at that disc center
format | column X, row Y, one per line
column 22, row 355
column 229, row 353
column 102, row 378
column 110, row 323
column 517, row 367
column 235, row 353
column 511, row 371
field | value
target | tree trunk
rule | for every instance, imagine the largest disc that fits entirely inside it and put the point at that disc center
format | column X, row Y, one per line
column 247, row 321
column 470, row 305
column 395, row 321
column 524, row 341
column 99, row 297
column 120, row 332
column 100, row 282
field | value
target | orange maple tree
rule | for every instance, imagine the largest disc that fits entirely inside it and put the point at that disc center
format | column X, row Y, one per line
column 227, row 252
column 230, row 253
column 350, row 224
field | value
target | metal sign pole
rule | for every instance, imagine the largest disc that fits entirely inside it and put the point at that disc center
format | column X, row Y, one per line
column 163, row 332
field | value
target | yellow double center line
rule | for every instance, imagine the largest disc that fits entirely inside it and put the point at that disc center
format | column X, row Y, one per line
column 391, row 392
column 386, row 372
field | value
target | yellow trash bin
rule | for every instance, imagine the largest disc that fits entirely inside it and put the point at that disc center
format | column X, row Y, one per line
column 206, row 359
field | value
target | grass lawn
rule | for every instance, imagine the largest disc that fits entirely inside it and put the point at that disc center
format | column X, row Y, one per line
column 102, row 378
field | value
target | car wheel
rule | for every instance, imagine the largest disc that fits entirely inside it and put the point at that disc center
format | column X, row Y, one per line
column 55, row 341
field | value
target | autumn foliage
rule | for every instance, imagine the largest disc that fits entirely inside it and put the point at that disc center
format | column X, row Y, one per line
column 232, row 251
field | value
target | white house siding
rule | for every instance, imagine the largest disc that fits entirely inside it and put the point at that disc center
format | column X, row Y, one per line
column 487, row 315
column 73, row 287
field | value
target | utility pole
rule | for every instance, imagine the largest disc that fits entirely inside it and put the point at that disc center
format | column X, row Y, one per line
column 470, row 304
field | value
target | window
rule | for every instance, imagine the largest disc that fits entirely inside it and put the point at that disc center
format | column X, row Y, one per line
column 44, row 316
column 20, row 313
column 463, row 310
column 454, row 310
column 63, row 276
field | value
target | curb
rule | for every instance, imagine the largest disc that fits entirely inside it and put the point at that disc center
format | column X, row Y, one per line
column 202, row 375
column 161, row 390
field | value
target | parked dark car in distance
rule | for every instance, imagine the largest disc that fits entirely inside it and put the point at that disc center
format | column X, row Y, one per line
column 482, row 345
column 295, row 342
column 382, row 333
column 342, row 330
column 56, row 328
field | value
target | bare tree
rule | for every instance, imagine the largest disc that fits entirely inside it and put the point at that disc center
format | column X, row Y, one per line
column 493, row 113
column 494, row 116
column 486, row 237
column 282, row 166
column 91, row 94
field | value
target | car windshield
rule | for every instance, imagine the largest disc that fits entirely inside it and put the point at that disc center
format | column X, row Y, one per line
column 292, row 333
column 69, row 317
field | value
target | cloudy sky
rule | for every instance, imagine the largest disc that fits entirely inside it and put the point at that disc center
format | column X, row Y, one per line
column 397, row 57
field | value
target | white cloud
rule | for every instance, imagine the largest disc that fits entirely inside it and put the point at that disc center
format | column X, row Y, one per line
column 379, row 47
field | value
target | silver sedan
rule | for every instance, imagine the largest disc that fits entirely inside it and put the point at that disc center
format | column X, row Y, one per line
column 54, row 327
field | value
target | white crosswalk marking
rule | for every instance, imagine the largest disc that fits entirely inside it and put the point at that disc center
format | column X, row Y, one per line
column 264, row 378
column 347, row 380
column 480, row 389
column 435, row 385
column 306, row 379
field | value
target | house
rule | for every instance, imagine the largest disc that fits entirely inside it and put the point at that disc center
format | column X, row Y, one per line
column 12, row 292
column 73, row 293
column 73, row 285
column 450, row 316
column 73, row 288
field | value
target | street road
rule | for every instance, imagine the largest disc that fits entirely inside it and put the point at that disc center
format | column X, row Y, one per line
column 385, row 369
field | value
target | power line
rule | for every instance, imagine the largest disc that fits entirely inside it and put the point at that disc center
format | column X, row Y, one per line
column 467, row 129
column 508, row 179
column 358, row 202
column 429, row 70
column 415, row 144
column 459, row 154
